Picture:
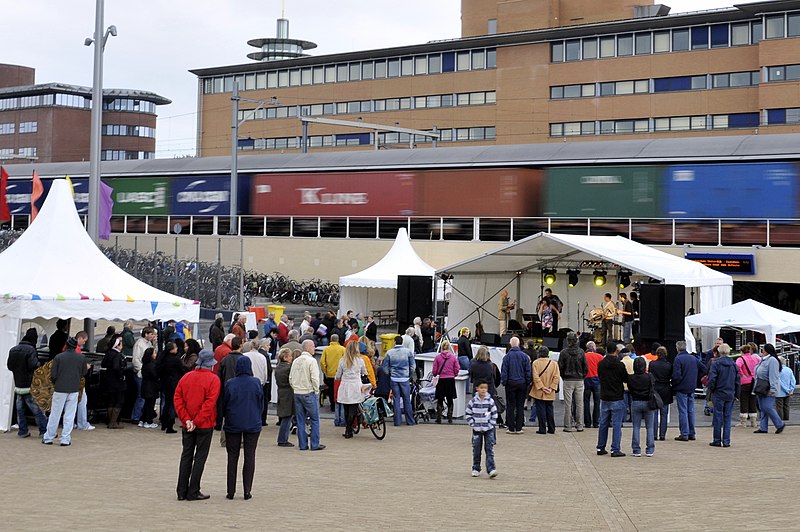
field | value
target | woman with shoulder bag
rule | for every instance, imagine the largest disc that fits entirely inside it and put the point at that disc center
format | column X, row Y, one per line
column 350, row 371
column 546, row 376
column 445, row 368
column 640, row 387
column 661, row 370
column 748, row 402
column 768, row 380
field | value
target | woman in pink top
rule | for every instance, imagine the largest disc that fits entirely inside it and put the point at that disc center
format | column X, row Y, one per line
column 748, row 404
column 446, row 367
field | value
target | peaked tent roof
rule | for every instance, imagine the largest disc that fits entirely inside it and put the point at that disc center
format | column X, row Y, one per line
column 545, row 249
column 751, row 315
column 400, row 260
column 55, row 270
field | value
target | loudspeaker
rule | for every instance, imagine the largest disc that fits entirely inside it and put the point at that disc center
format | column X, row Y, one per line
column 506, row 339
column 414, row 299
column 490, row 339
column 661, row 311
column 552, row 343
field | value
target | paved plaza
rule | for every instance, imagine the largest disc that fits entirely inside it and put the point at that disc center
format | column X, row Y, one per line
column 418, row 478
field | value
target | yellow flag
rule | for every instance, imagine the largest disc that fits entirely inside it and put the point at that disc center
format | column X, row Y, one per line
column 71, row 187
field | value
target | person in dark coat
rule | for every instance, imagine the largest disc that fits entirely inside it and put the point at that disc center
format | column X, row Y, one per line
column 151, row 389
column 428, row 332
column 371, row 330
column 104, row 343
column 59, row 338
column 216, row 333
column 686, row 370
column 243, row 402
column 189, row 359
column 170, row 371
column 481, row 368
column 114, row 380
column 22, row 362
column 227, row 371
column 723, row 385
column 285, row 396
column 661, row 370
column 464, row 349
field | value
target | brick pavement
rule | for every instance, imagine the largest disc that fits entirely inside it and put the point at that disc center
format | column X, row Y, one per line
column 417, row 478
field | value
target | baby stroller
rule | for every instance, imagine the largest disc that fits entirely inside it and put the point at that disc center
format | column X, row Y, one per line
column 423, row 399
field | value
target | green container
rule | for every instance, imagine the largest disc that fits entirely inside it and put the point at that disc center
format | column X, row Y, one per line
column 603, row 192
column 140, row 196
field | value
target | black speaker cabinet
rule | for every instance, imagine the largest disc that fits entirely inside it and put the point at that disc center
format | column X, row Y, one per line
column 414, row 299
column 490, row 339
column 661, row 311
column 553, row 343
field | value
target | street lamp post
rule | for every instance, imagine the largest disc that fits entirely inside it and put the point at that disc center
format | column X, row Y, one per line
column 99, row 41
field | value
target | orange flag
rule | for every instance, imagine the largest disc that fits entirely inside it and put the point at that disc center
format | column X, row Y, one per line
column 36, row 193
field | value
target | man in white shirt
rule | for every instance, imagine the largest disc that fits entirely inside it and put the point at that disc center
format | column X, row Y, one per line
column 304, row 379
column 144, row 342
column 408, row 340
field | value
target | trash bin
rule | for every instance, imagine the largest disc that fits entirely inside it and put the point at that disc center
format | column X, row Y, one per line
column 260, row 313
column 278, row 310
column 387, row 342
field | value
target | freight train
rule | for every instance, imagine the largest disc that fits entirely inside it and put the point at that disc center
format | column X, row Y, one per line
column 727, row 190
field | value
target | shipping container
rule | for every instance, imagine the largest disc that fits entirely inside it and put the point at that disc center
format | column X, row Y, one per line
column 742, row 190
column 493, row 192
column 333, row 194
column 140, row 196
column 603, row 192
column 18, row 196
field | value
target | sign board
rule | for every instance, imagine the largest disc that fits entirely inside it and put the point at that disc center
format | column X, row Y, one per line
column 142, row 196
column 726, row 262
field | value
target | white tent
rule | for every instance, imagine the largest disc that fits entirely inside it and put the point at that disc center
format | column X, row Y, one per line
column 375, row 288
column 54, row 270
column 750, row 315
column 517, row 267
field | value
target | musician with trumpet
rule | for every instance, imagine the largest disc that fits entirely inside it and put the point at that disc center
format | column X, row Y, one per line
column 504, row 307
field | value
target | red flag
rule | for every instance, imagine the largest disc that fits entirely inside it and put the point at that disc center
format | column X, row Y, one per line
column 36, row 193
column 5, row 213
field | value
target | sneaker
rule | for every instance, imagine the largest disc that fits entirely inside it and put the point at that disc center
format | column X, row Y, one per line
column 493, row 473
column 142, row 424
column 637, row 455
column 778, row 431
column 601, row 452
column 617, row 454
column 320, row 448
column 509, row 431
column 475, row 473
column 649, row 455
column 521, row 431
column 286, row 444
column 151, row 426
column 26, row 435
column 88, row 427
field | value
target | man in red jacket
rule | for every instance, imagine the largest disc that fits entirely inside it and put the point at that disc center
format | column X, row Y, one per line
column 196, row 406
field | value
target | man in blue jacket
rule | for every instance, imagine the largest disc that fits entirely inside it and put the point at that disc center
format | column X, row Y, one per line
column 723, row 386
column 685, row 371
column 400, row 365
column 516, row 377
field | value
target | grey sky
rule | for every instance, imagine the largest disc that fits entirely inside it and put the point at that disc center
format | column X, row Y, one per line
column 159, row 41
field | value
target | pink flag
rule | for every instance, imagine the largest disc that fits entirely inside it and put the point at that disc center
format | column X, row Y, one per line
column 106, row 207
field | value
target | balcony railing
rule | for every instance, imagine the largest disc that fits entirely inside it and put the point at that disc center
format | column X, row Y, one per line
column 655, row 231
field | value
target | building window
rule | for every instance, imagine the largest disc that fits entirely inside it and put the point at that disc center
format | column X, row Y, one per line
column 573, row 50
column 740, row 34
column 492, row 27
column 775, row 27
column 643, row 43
column 719, row 35
column 27, row 152
column 8, row 128
column 607, row 47
column 793, row 25
column 700, row 38
column 661, row 42
column 557, row 52
column 625, row 45
column 680, row 40
column 590, row 48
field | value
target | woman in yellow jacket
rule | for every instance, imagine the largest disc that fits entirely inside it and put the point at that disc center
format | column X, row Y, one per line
column 546, row 376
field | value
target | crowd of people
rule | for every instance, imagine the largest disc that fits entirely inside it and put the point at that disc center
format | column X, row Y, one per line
column 228, row 387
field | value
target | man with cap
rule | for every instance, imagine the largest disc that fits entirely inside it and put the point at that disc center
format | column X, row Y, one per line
column 22, row 361
column 68, row 368
column 196, row 406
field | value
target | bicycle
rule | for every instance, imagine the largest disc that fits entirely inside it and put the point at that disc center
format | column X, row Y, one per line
column 372, row 413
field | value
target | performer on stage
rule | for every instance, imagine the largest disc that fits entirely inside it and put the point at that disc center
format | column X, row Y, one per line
column 609, row 312
column 555, row 305
column 627, row 318
column 504, row 306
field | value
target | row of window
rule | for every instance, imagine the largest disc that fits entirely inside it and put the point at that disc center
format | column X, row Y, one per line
column 438, row 63
column 655, row 42
column 24, row 127
column 371, row 106
column 22, row 152
column 365, row 139
column 129, row 104
column 650, row 125
column 647, row 86
column 783, row 73
column 125, row 155
column 781, row 116
column 122, row 130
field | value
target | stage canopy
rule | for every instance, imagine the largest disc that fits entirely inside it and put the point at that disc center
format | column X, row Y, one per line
column 517, row 267
column 375, row 288
column 55, row 270
column 750, row 315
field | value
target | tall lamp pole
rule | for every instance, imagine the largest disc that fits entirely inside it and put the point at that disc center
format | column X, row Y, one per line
column 99, row 41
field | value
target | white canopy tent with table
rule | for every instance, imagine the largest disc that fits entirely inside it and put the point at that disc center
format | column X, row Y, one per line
column 517, row 267
column 750, row 315
column 376, row 287
column 55, row 270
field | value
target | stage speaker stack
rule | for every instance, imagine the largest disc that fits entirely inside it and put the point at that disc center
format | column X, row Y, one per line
column 414, row 299
column 661, row 311
column 490, row 339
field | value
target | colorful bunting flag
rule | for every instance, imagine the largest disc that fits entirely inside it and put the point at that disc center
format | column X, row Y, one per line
column 36, row 193
column 176, row 304
column 83, row 296
column 130, row 299
column 71, row 187
column 153, row 305
column 59, row 297
column 106, row 298
column 106, row 207
column 34, row 297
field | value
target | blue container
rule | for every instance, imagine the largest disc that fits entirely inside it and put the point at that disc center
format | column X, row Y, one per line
column 206, row 195
column 740, row 190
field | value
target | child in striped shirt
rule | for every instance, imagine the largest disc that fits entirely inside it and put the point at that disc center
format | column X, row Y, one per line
column 482, row 417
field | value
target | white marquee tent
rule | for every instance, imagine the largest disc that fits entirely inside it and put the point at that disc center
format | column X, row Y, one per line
column 750, row 315
column 376, row 287
column 54, row 270
column 517, row 266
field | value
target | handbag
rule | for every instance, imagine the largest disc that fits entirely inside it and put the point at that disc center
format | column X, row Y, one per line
column 558, row 386
column 654, row 402
column 500, row 403
column 761, row 387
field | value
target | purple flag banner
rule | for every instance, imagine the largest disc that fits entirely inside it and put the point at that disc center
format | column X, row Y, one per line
column 106, row 207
